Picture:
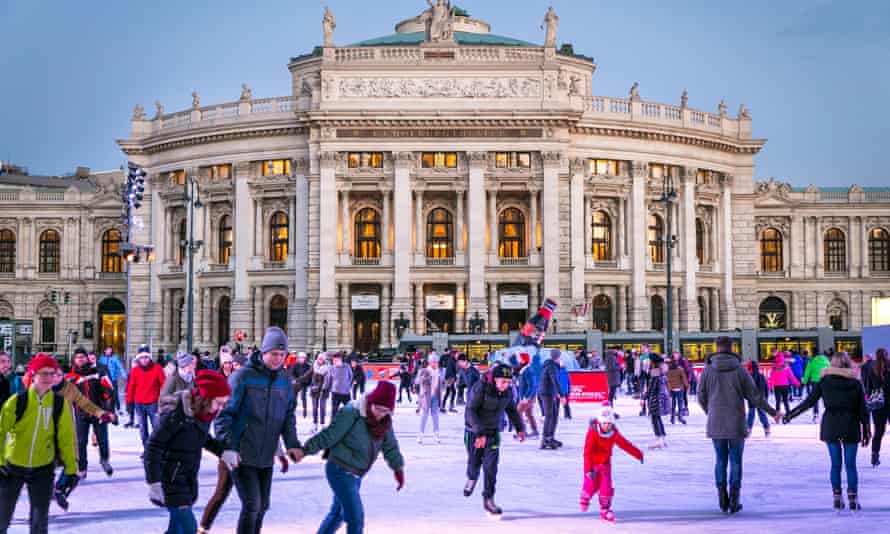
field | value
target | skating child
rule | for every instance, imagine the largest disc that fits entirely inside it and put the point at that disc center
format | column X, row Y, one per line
column 601, row 437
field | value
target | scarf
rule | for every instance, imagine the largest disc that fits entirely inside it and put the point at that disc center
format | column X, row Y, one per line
column 378, row 427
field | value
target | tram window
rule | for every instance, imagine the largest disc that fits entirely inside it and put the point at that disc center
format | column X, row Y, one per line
column 768, row 348
column 851, row 347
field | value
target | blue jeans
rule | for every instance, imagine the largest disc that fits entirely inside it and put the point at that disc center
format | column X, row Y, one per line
column 729, row 450
column 182, row 520
column 764, row 420
column 347, row 504
column 144, row 414
column 835, row 450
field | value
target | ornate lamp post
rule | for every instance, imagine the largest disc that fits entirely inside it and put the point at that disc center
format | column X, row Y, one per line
column 192, row 200
column 668, row 196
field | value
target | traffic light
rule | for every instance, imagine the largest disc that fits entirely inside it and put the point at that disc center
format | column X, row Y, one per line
column 135, row 185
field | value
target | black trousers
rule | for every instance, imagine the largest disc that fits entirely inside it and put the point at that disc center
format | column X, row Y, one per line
column 450, row 393
column 485, row 458
column 319, row 403
column 880, row 418
column 404, row 387
column 358, row 387
column 338, row 400
column 657, row 425
column 782, row 393
column 300, row 394
column 613, row 391
column 460, row 393
column 253, row 485
column 550, row 410
column 40, row 488
column 83, row 425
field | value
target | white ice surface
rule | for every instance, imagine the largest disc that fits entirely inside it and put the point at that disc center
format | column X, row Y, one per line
column 785, row 486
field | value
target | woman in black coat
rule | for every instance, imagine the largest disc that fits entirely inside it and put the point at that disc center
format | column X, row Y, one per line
column 173, row 452
column 876, row 377
column 844, row 425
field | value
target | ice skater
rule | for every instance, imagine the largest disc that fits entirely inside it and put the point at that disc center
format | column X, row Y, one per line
column 430, row 384
column 656, row 400
column 602, row 436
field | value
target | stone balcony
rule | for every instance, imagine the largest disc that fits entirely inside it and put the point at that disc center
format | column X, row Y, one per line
column 222, row 114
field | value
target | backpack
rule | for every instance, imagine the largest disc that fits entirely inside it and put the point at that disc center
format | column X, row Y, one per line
column 21, row 404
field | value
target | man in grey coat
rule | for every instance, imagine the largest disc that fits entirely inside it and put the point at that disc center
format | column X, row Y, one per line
column 724, row 388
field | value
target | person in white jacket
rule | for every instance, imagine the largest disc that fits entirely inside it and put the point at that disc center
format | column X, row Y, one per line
column 430, row 383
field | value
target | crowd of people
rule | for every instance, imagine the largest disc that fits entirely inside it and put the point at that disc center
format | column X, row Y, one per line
column 243, row 409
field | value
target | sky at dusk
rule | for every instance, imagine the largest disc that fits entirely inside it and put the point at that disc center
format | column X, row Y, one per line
column 815, row 74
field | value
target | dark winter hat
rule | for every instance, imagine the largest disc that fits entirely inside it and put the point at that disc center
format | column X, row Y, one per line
column 143, row 351
column 275, row 339
column 461, row 357
column 211, row 384
column 184, row 358
column 655, row 359
column 502, row 371
column 80, row 350
column 383, row 395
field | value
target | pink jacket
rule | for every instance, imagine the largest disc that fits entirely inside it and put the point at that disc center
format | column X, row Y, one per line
column 782, row 376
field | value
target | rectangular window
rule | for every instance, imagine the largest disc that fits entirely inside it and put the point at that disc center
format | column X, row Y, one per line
column 47, row 330
column 439, row 160
column 660, row 170
column 221, row 172
column 177, row 177
column 604, row 167
column 276, row 167
column 513, row 160
column 365, row 160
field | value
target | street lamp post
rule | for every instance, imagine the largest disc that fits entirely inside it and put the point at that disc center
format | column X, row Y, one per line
column 193, row 201
column 324, row 335
column 668, row 195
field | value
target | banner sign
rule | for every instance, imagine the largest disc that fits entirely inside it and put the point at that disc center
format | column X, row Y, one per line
column 440, row 302
column 588, row 386
column 365, row 302
column 514, row 302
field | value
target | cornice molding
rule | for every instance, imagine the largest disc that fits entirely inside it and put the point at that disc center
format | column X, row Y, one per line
column 133, row 148
column 678, row 138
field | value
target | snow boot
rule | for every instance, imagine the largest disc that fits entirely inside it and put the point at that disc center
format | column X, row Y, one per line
column 556, row 442
column 852, row 501
column 493, row 510
column 61, row 499
column 875, row 459
column 734, row 505
column 683, row 421
column 723, row 498
column 106, row 467
column 469, row 487
column 838, row 500
column 766, row 432
column 607, row 515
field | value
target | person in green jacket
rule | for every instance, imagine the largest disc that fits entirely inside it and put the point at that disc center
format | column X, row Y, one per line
column 812, row 375
column 33, row 446
column 353, row 440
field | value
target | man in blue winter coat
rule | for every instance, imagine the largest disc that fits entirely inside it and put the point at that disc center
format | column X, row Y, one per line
column 797, row 366
column 116, row 372
column 260, row 411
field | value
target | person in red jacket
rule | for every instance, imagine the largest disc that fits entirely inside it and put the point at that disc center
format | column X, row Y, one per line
column 144, row 389
column 602, row 436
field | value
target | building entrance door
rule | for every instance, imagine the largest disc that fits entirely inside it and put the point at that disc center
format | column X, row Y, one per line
column 112, row 326
column 441, row 320
column 366, row 334
column 511, row 319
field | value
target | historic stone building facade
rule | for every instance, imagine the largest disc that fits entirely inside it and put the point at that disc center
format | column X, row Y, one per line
column 444, row 173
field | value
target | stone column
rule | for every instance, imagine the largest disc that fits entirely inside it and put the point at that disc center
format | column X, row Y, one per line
column 550, row 222
column 476, row 233
column 401, row 301
column 419, row 310
column 292, row 227
column 533, row 224
column 577, row 214
column 818, row 256
column 493, row 227
column 587, row 245
column 493, row 319
column 620, row 227
column 532, row 299
column 385, row 328
column 864, row 265
column 796, row 244
column 385, row 252
column 298, row 315
column 165, row 323
column 326, row 309
column 855, row 240
column 259, row 228
column 727, row 307
column 345, row 243
column 639, row 304
column 169, row 252
column 460, row 314
column 714, row 307
column 205, row 317
column 345, row 332
column 419, row 227
column 690, row 318
column 459, row 227
column 242, row 247
column 620, row 309
column 259, row 325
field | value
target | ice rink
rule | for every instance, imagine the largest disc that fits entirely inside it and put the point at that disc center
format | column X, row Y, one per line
column 785, row 486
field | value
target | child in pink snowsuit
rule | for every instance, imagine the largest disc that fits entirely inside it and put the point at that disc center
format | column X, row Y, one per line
column 780, row 381
column 602, row 436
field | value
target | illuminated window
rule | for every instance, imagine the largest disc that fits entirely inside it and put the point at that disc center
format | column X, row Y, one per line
column 225, row 239
column 7, row 251
column 656, row 306
column 278, row 244
column 220, row 172
column 512, row 234
column 367, row 234
column 439, row 160
column 112, row 262
column 439, row 234
column 771, row 251
column 772, row 314
column 706, row 177
column 601, row 232
column 604, row 167
column 700, row 241
column 365, row 160
column 512, row 160
column 602, row 313
column 660, row 170
column 177, row 177
column 835, row 249
column 276, row 167
column 49, row 251
column 878, row 250
column 656, row 239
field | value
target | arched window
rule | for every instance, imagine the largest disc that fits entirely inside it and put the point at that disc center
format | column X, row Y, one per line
column 367, row 234
column 278, row 241
column 773, row 313
column 700, row 241
column 223, row 321
column 835, row 251
column 112, row 262
column 602, row 313
column 601, row 236
column 225, row 239
column 278, row 312
column 49, row 251
column 878, row 250
column 182, row 238
column 511, row 226
column 837, row 314
column 439, row 234
column 771, row 251
column 7, row 251
column 656, row 306
column 656, row 239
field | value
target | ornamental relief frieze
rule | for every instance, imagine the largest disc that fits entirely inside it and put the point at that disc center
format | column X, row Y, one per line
column 772, row 187
column 877, row 222
column 103, row 224
column 783, row 224
column 608, row 205
column 507, row 87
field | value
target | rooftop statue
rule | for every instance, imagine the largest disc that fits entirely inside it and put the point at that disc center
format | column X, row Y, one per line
column 246, row 93
column 328, row 23
column 196, row 100
column 138, row 113
column 440, row 23
column 635, row 91
column 551, row 20
column 159, row 110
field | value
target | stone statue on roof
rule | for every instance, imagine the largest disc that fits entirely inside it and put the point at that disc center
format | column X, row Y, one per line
column 743, row 112
column 328, row 23
column 635, row 91
column 196, row 100
column 721, row 108
column 246, row 93
column 684, row 99
column 440, row 21
column 159, row 110
column 551, row 21
column 138, row 113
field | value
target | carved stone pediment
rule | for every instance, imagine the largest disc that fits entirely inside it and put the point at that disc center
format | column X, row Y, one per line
column 772, row 187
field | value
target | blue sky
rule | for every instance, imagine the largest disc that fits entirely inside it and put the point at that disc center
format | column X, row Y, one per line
column 814, row 73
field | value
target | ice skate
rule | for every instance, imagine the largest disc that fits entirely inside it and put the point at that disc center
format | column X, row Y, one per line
column 853, row 502
column 766, row 432
column 106, row 467
column 469, row 487
column 815, row 419
column 838, row 501
column 682, row 421
column 735, row 506
column 61, row 499
column 556, row 442
column 723, row 498
column 436, row 437
column 607, row 515
column 420, row 439
column 875, row 459
column 494, row 511
column 655, row 445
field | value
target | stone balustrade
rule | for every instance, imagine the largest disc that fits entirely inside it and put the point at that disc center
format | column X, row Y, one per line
column 257, row 109
column 408, row 54
column 625, row 109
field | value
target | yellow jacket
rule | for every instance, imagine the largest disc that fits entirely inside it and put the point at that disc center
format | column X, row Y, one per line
column 30, row 441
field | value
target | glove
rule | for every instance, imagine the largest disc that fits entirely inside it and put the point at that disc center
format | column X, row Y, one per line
column 71, row 482
column 400, row 479
column 156, row 494
column 231, row 459
column 4, row 471
column 641, row 459
column 284, row 464
column 107, row 417
column 591, row 475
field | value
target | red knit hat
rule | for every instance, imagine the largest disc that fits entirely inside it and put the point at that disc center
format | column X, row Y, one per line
column 383, row 395
column 211, row 384
column 42, row 360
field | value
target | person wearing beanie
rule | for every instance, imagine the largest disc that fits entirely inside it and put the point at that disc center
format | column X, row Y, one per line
column 317, row 389
column 467, row 376
column 144, row 389
column 301, row 377
column 173, row 453
column 353, row 441
column 549, row 393
column 181, row 380
column 226, row 364
column 602, row 436
column 487, row 402
column 657, row 399
column 259, row 414
column 780, row 381
column 430, row 384
column 31, row 441
column 338, row 382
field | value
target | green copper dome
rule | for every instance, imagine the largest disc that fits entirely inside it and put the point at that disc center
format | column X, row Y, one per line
column 464, row 38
